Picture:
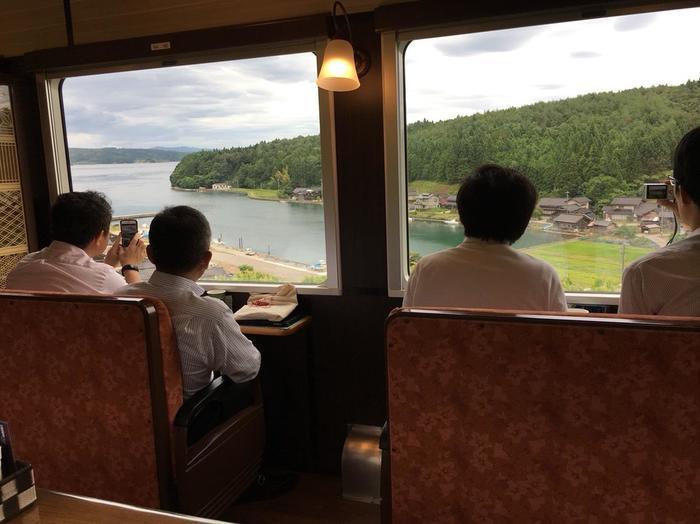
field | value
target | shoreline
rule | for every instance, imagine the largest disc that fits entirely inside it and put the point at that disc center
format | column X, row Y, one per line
column 231, row 259
column 246, row 193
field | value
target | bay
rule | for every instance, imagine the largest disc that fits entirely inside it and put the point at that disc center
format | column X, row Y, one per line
column 285, row 230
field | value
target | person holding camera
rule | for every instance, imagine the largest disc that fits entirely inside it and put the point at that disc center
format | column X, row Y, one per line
column 667, row 281
column 495, row 205
column 79, row 231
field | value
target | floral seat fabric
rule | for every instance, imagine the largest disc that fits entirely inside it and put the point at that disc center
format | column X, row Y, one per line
column 561, row 420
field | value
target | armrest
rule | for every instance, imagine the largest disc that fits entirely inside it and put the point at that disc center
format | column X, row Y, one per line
column 213, row 405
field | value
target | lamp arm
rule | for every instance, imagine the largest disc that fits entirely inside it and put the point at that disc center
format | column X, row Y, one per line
column 336, row 5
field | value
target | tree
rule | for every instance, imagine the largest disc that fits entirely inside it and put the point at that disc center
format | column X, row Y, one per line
column 284, row 183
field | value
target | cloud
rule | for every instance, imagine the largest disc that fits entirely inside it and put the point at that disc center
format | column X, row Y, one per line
column 489, row 42
column 634, row 22
column 585, row 54
column 219, row 104
column 549, row 87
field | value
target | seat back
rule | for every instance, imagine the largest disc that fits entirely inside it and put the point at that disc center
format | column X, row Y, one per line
column 521, row 417
column 90, row 387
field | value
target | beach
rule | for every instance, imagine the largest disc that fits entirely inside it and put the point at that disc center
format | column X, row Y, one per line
column 230, row 259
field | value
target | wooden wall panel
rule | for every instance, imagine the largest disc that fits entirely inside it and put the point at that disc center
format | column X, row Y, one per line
column 101, row 20
column 30, row 25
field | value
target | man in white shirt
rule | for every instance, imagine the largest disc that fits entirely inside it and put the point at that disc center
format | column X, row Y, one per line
column 667, row 281
column 80, row 231
column 495, row 204
column 208, row 338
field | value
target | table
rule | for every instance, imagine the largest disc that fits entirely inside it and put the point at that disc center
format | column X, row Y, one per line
column 270, row 331
column 285, row 377
column 60, row 508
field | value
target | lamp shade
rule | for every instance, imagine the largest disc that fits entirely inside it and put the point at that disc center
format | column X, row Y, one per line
column 338, row 71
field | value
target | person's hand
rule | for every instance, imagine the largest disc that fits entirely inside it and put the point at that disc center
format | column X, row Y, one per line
column 670, row 204
column 112, row 256
column 134, row 253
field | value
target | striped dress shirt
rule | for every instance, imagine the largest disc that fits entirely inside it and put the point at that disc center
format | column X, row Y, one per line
column 208, row 338
column 665, row 282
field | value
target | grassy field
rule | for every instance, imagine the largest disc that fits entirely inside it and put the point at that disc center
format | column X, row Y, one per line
column 585, row 265
column 436, row 213
column 430, row 186
column 258, row 194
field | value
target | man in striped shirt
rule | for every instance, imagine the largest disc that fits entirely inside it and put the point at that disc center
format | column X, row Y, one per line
column 208, row 338
column 667, row 281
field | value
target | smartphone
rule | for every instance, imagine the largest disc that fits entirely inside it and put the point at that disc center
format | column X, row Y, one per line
column 659, row 191
column 129, row 228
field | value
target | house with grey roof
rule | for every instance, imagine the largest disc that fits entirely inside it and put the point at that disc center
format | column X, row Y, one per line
column 565, row 222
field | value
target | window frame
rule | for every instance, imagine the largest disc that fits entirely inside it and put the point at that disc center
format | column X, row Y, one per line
column 49, row 86
column 393, row 47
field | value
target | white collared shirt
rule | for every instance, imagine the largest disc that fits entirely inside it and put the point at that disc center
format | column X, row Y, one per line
column 479, row 274
column 665, row 282
column 208, row 338
column 64, row 267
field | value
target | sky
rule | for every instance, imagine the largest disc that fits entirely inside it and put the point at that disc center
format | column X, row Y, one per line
column 242, row 102
column 467, row 74
column 214, row 105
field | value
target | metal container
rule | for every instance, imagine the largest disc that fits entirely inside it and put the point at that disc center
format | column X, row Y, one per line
column 362, row 464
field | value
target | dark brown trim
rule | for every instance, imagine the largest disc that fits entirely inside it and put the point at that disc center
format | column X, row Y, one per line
column 534, row 317
column 68, row 15
column 425, row 14
column 134, row 50
column 159, row 405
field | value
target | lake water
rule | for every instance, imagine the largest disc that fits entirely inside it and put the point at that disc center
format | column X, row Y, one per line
column 286, row 230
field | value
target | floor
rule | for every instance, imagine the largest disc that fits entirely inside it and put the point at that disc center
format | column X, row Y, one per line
column 315, row 499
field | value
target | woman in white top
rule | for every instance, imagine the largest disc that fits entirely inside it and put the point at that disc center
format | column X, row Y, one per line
column 495, row 205
column 667, row 281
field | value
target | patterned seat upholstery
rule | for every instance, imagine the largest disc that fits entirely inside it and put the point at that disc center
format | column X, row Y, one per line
column 91, row 386
column 517, row 417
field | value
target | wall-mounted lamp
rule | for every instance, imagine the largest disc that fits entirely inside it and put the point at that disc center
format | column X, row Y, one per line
column 342, row 65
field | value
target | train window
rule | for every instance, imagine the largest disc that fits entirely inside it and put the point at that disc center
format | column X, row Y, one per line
column 239, row 140
column 589, row 110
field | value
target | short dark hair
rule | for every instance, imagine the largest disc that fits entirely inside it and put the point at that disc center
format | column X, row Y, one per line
column 496, row 203
column 179, row 237
column 78, row 217
column 686, row 164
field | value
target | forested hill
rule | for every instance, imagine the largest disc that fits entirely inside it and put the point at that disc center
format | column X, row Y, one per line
column 253, row 166
column 583, row 145
column 117, row 155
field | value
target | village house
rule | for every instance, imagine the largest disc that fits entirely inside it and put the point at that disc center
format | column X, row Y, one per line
column 450, row 202
column 650, row 228
column 551, row 206
column 427, row 201
column 629, row 203
column 582, row 201
column 571, row 222
column 600, row 226
column 221, row 186
column 306, row 193
column 647, row 211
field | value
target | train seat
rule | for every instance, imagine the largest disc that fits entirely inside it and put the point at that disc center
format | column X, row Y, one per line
column 525, row 417
column 92, row 389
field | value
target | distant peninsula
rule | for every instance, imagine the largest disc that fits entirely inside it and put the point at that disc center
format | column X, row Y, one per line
column 118, row 155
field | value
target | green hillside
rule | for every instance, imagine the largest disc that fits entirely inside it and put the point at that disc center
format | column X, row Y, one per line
column 117, row 155
column 600, row 145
